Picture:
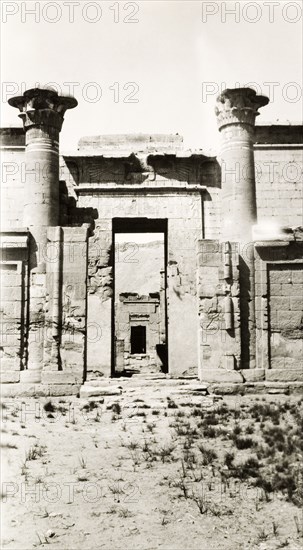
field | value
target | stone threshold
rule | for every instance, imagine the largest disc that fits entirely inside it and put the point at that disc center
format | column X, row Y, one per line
column 112, row 387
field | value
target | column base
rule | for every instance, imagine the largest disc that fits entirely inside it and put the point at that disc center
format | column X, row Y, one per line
column 30, row 376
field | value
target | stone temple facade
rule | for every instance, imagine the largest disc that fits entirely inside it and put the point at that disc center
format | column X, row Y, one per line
column 230, row 309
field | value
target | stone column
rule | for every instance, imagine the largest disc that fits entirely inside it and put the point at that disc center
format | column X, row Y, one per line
column 42, row 112
column 236, row 112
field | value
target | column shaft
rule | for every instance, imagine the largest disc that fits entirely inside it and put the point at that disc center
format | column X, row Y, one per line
column 236, row 113
column 42, row 112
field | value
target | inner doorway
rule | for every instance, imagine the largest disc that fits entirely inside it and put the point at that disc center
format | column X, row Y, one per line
column 139, row 340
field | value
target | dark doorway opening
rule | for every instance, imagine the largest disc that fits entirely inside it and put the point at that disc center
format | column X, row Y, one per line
column 138, row 339
column 140, row 287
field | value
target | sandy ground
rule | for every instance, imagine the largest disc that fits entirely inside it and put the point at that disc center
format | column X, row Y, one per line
column 112, row 476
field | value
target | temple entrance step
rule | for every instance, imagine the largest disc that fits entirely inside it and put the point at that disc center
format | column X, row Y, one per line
column 139, row 384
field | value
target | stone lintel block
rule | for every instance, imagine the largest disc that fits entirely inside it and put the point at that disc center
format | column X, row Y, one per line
column 11, row 294
column 93, row 391
column 226, row 388
column 10, row 341
column 221, row 375
column 9, row 377
column 104, row 224
column 38, row 390
column 72, row 341
column 207, row 290
column 75, row 370
column 210, row 273
column 285, row 375
column 11, row 311
column 61, row 377
column 75, row 266
column 50, row 367
column 280, row 303
column 39, row 279
column 37, row 291
column 9, row 364
column 10, row 281
column 291, row 290
column 75, row 234
column 57, row 390
column 30, row 376
column 280, row 275
column 253, row 375
column 209, row 245
column 296, row 303
column 229, row 361
column 193, row 389
column 297, row 276
column 208, row 259
column 54, row 234
column 24, row 390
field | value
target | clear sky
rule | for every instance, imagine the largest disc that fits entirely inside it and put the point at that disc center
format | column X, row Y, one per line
column 154, row 66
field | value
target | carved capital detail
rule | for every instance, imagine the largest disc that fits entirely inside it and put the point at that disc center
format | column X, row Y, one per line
column 42, row 107
column 43, row 117
column 239, row 106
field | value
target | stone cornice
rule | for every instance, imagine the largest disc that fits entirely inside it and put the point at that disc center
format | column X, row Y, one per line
column 238, row 106
column 138, row 189
column 14, row 238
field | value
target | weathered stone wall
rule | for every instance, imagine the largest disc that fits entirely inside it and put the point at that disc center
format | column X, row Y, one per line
column 212, row 213
column 13, row 309
column 65, row 331
column 279, row 309
column 279, row 185
column 279, row 181
column 12, row 144
column 286, row 315
column 134, row 310
column 99, row 300
column 219, row 311
column 183, row 212
column 66, row 308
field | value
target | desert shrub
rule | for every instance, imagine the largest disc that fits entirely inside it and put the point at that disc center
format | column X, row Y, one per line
column 237, row 430
column 263, row 483
column 211, row 419
column 229, row 459
column 116, row 408
column 222, row 410
column 250, row 429
column 242, row 442
column 166, row 452
column 208, row 455
column 210, row 432
column 197, row 412
column 266, row 411
column 285, row 483
column 36, row 451
column 222, row 432
column 90, row 406
column 49, row 407
column 249, row 468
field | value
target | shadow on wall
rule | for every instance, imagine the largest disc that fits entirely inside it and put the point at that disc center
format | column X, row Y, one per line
column 195, row 169
column 71, row 214
column 161, row 350
column 245, row 289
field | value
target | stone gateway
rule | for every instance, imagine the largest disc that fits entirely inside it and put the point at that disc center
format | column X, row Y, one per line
column 229, row 308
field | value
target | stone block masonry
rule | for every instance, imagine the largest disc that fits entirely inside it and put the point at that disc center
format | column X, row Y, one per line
column 229, row 308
